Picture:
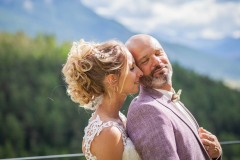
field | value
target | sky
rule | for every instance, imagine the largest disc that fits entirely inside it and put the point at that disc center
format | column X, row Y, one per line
column 188, row 19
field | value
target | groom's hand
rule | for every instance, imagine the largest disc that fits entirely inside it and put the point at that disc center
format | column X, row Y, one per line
column 210, row 143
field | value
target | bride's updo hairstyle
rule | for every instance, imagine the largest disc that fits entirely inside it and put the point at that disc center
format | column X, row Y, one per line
column 88, row 64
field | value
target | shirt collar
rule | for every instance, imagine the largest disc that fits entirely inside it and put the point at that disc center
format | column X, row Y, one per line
column 166, row 93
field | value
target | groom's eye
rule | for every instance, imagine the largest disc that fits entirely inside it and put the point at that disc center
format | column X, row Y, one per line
column 145, row 61
column 159, row 52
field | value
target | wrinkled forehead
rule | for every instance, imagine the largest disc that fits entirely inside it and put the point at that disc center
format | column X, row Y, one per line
column 142, row 46
column 148, row 46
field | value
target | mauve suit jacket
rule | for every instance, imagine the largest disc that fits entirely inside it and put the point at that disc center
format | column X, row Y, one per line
column 160, row 131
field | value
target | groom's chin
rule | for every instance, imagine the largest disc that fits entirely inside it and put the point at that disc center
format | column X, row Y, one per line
column 158, row 84
column 146, row 81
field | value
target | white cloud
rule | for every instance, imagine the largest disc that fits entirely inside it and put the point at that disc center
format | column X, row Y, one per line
column 28, row 5
column 236, row 34
column 191, row 19
column 211, row 34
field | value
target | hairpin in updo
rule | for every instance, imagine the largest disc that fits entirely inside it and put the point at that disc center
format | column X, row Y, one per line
column 106, row 52
column 102, row 55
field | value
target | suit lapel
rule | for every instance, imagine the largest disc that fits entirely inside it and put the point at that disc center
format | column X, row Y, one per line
column 160, row 98
column 171, row 106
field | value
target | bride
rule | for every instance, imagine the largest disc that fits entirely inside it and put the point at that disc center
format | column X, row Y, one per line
column 99, row 76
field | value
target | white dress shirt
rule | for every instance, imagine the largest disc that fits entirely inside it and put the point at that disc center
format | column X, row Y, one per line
column 169, row 95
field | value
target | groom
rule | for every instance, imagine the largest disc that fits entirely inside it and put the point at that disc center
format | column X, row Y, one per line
column 160, row 126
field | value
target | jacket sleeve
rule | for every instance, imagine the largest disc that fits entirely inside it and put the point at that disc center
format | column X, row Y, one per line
column 152, row 133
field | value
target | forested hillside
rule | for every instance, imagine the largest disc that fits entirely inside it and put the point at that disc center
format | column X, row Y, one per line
column 37, row 117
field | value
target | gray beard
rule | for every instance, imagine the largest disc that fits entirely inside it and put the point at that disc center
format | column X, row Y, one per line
column 156, row 82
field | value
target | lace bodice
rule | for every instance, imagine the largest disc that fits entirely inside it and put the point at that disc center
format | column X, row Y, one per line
column 95, row 126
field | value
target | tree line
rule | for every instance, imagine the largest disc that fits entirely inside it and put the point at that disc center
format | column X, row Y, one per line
column 37, row 117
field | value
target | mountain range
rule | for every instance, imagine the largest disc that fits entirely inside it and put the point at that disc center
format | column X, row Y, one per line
column 71, row 21
column 228, row 48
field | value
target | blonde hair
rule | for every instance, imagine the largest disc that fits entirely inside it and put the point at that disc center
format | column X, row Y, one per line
column 86, row 67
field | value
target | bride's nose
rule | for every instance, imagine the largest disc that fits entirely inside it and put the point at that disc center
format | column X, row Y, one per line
column 139, row 72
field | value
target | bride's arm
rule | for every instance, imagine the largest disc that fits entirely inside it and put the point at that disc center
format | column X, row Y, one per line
column 108, row 145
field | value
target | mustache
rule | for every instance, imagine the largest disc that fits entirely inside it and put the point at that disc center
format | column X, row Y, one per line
column 147, row 80
column 156, row 68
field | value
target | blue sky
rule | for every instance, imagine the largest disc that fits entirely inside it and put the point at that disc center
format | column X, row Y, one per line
column 188, row 19
column 190, row 22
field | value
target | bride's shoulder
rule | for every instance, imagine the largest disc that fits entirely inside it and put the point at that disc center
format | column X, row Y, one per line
column 108, row 144
column 103, row 137
column 110, row 135
column 99, row 129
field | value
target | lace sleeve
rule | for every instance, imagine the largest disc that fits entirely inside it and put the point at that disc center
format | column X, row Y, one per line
column 93, row 129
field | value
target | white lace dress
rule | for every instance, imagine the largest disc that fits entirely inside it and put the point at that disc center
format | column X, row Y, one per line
column 95, row 126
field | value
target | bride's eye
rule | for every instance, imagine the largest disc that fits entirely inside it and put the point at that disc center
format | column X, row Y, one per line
column 132, row 68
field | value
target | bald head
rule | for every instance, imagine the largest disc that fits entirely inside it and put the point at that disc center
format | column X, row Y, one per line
column 140, row 42
column 152, row 60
